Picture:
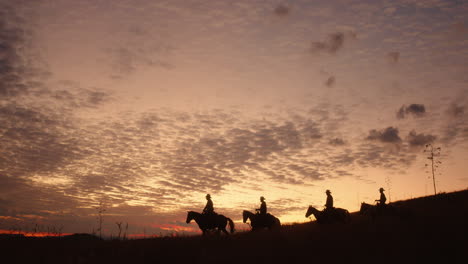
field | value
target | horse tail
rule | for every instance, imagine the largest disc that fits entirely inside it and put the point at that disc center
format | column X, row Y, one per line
column 231, row 224
column 278, row 222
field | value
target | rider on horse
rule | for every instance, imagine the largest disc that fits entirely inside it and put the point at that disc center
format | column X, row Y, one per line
column 208, row 211
column 262, row 211
column 382, row 200
column 263, row 207
column 329, row 209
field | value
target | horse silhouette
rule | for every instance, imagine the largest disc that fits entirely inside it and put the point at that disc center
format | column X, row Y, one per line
column 258, row 221
column 369, row 210
column 335, row 215
column 210, row 222
column 374, row 211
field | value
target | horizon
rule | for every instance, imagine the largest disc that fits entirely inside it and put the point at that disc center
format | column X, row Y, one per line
column 193, row 230
column 177, row 233
column 143, row 108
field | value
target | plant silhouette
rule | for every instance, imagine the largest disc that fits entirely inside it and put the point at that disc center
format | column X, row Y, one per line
column 433, row 156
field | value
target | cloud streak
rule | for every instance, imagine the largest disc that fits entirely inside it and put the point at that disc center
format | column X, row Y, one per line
column 415, row 139
column 12, row 66
column 332, row 44
column 393, row 57
column 281, row 10
column 387, row 135
column 417, row 110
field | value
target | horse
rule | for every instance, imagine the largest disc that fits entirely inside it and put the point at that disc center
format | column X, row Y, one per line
column 369, row 210
column 374, row 211
column 258, row 221
column 335, row 215
column 210, row 222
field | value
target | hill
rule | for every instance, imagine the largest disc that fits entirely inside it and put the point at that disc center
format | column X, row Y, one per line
column 433, row 228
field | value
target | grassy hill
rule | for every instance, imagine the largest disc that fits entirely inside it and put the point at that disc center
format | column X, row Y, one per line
column 432, row 228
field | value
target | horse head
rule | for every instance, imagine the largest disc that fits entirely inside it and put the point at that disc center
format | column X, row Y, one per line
column 310, row 211
column 245, row 216
column 363, row 208
column 190, row 216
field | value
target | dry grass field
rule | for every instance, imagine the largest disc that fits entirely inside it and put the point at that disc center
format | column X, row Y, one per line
column 432, row 228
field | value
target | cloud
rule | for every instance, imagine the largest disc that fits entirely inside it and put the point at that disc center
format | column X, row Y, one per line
column 39, row 129
column 344, row 159
column 415, row 139
column 23, row 197
column 34, row 140
column 281, row 177
column 330, row 81
column 426, row 4
column 394, row 158
column 456, row 128
column 281, row 10
column 456, row 110
column 156, row 157
column 389, row 10
column 458, row 31
column 140, row 49
column 393, row 57
column 40, row 132
column 247, row 148
column 111, row 159
column 12, row 66
column 387, row 135
column 337, row 142
column 417, row 110
column 333, row 43
column 78, row 97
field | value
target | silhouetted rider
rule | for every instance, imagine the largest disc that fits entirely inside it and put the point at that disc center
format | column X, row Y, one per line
column 209, row 205
column 329, row 203
column 262, row 212
column 329, row 209
column 263, row 207
column 382, row 200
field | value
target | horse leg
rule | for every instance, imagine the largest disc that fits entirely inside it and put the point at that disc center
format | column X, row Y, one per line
column 225, row 231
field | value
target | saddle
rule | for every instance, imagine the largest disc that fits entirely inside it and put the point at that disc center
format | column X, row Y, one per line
column 330, row 212
column 210, row 218
column 264, row 219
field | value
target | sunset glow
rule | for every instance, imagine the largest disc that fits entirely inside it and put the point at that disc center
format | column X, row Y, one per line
column 141, row 108
column 32, row 234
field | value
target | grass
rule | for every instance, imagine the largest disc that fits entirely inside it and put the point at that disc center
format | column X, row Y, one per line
column 435, row 229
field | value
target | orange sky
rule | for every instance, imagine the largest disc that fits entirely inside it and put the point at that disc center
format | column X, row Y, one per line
column 147, row 106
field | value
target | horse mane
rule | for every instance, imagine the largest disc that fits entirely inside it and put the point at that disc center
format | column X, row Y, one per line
column 193, row 212
column 248, row 213
column 366, row 205
column 245, row 215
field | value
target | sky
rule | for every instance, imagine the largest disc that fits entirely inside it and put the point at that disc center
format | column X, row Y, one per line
column 143, row 107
